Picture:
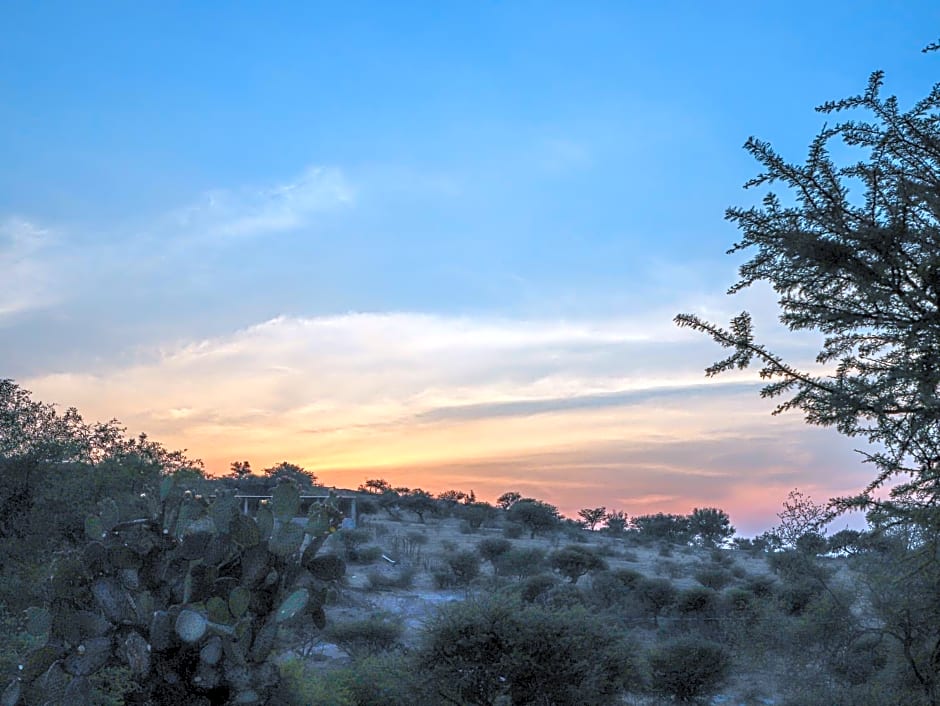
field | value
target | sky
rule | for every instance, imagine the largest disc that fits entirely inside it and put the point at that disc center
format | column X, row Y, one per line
column 436, row 243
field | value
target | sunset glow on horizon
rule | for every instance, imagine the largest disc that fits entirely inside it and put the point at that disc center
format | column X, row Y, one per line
column 440, row 245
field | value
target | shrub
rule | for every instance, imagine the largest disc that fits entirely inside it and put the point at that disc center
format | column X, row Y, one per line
column 688, row 669
column 613, row 588
column 492, row 548
column 761, row 586
column 521, row 562
column 574, row 561
column 656, row 595
column 401, row 578
column 365, row 636
column 513, row 530
column 697, row 600
column 535, row 587
column 351, row 539
column 385, row 679
column 670, row 568
column 368, row 554
column 300, row 686
column 465, row 566
column 713, row 577
column 501, row 651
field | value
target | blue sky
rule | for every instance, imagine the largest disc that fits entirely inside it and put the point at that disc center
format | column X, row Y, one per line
column 228, row 224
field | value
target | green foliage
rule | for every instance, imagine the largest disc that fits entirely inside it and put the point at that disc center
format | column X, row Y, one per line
column 535, row 588
column 365, row 636
column 352, row 539
column 521, row 562
column 536, row 516
column 477, row 652
column 508, row 499
column 176, row 606
column 662, row 527
column 476, row 514
column 615, row 522
column 688, row 670
column 574, row 562
column 714, row 577
column 591, row 517
column 465, row 567
column 710, row 526
column 615, row 588
column 656, row 595
column 812, row 543
column 492, row 548
column 284, row 471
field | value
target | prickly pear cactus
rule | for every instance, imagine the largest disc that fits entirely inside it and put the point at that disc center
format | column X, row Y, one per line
column 189, row 600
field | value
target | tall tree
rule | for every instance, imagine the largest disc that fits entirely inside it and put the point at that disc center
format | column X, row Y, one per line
column 865, row 272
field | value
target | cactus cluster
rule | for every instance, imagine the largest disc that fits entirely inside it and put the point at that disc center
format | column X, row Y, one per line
column 189, row 600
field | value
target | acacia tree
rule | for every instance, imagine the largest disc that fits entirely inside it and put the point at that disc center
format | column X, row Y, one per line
column 865, row 272
column 710, row 526
column 590, row 517
column 800, row 516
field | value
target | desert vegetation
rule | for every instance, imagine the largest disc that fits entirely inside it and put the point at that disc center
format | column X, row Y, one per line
column 131, row 577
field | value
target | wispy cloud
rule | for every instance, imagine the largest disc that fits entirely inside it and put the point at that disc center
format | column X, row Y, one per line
column 496, row 401
column 28, row 282
column 271, row 209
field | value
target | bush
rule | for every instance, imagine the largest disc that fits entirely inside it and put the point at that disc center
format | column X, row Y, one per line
column 521, row 562
column 300, row 686
column 465, row 566
column 656, row 595
column 368, row 554
column 613, row 588
column 535, row 587
column 574, row 561
column 513, row 530
column 713, row 577
column 761, row 586
column 385, row 679
column 402, row 578
column 357, row 638
column 492, row 548
column 688, row 669
column 352, row 539
column 697, row 600
column 501, row 651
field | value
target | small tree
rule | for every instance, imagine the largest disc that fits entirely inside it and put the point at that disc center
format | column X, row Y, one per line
column 710, row 526
column 615, row 522
column 800, row 515
column 492, row 548
column 239, row 470
column 668, row 528
column 304, row 479
column 376, row 486
column 688, row 669
column 534, row 515
column 507, row 500
column 590, row 517
column 575, row 561
column 417, row 501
